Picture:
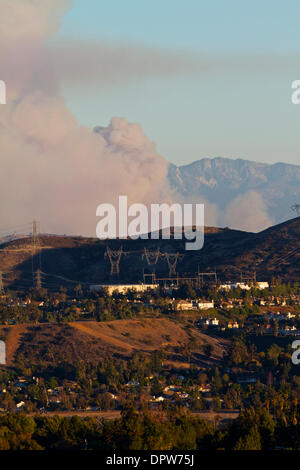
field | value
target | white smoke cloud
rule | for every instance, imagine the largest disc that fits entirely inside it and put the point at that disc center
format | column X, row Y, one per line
column 247, row 212
column 52, row 168
column 57, row 171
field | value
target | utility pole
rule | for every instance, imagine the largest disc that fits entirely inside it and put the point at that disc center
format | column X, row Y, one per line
column 35, row 237
column 36, row 251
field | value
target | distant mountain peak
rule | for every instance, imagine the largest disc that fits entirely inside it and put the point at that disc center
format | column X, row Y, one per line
column 221, row 180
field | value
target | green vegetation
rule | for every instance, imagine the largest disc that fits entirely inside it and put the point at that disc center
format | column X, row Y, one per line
column 144, row 430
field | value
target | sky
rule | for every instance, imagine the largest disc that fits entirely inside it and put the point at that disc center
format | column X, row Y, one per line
column 203, row 79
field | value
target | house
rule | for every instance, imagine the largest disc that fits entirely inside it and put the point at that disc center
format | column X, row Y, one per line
column 160, row 398
column 262, row 285
column 281, row 316
column 132, row 383
column 20, row 404
column 289, row 331
column 205, row 388
column 171, row 388
column 289, row 315
column 227, row 305
column 210, row 321
column 205, row 304
column 233, row 325
column 184, row 305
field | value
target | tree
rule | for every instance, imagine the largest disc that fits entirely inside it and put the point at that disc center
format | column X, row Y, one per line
column 251, row 441
column 78, row 290
column 239, row 352
column 207, row 349
column 156, row 388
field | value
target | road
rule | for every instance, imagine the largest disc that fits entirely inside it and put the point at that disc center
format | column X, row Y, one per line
column 213, row 416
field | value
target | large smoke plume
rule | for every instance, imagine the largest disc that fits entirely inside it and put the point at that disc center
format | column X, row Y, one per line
column 52, row 168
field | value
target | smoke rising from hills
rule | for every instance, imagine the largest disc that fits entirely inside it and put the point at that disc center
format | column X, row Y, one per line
column 53, row 169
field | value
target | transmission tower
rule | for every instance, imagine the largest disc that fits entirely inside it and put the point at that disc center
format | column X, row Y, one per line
column 35, row 237
column 151, row 256
column 172, row 259
column 35, row 250
column 114, row 258
column 296, row 208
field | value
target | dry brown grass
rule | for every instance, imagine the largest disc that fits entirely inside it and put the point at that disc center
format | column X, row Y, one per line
column 148, row 334
column 12, row 335
column 91, row 341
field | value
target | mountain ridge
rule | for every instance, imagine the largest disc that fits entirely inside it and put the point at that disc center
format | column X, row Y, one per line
column 221, row 181
column 68, row 260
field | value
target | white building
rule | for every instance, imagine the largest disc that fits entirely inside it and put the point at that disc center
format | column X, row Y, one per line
column 262, row 285
column 184, row 305
column 242, row 285
column 123, row 288
column 205, row 304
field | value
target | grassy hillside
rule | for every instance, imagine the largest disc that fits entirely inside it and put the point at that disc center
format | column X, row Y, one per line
column 91, row 341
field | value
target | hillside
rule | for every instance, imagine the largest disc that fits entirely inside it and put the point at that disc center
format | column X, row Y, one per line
column 52, row 344
column 70, row 260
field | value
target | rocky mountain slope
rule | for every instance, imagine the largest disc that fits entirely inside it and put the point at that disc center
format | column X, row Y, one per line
column 221, row 180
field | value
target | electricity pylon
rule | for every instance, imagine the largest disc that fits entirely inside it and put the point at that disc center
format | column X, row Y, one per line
column 36, row 251
column 114, row 258
column 172, row 259
column 151, row 256
column 296, row 208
